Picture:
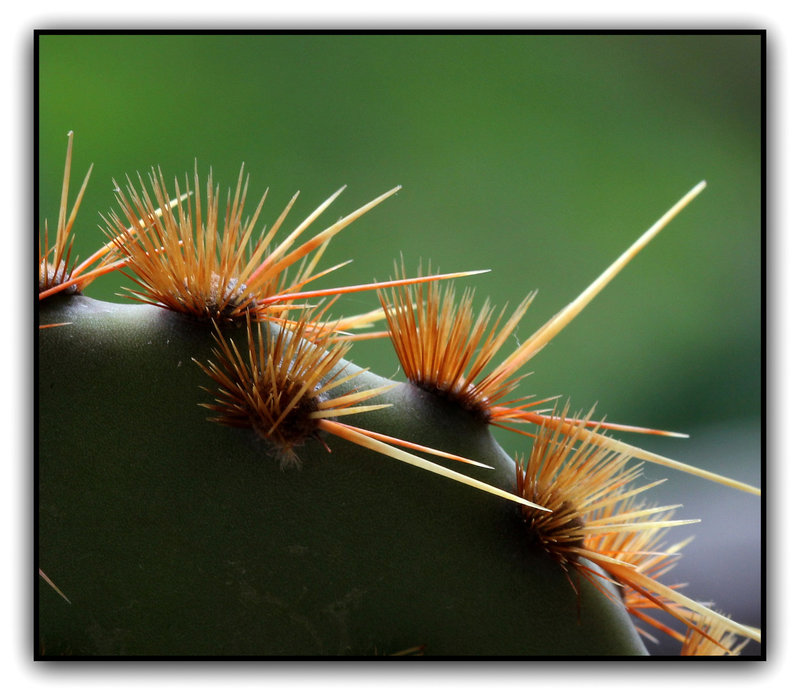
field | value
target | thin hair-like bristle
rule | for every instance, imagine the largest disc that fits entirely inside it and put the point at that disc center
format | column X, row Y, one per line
column 378, row 444
column 583, row 432
column 44, row 577
column 712, row 638
column 372, row 286
column 530, row 347
column 58, row 272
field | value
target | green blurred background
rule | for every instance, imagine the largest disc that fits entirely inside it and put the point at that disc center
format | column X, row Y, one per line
column 541, row 157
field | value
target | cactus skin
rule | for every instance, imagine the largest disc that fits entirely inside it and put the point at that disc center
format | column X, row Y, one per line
column 175, row 536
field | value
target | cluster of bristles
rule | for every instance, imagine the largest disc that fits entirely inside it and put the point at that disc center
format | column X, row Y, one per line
column 289, row 381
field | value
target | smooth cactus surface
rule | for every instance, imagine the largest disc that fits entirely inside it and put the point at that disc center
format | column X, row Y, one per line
column 172, row 535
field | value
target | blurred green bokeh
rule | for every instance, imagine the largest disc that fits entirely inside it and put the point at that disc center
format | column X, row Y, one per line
column 541, row 157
